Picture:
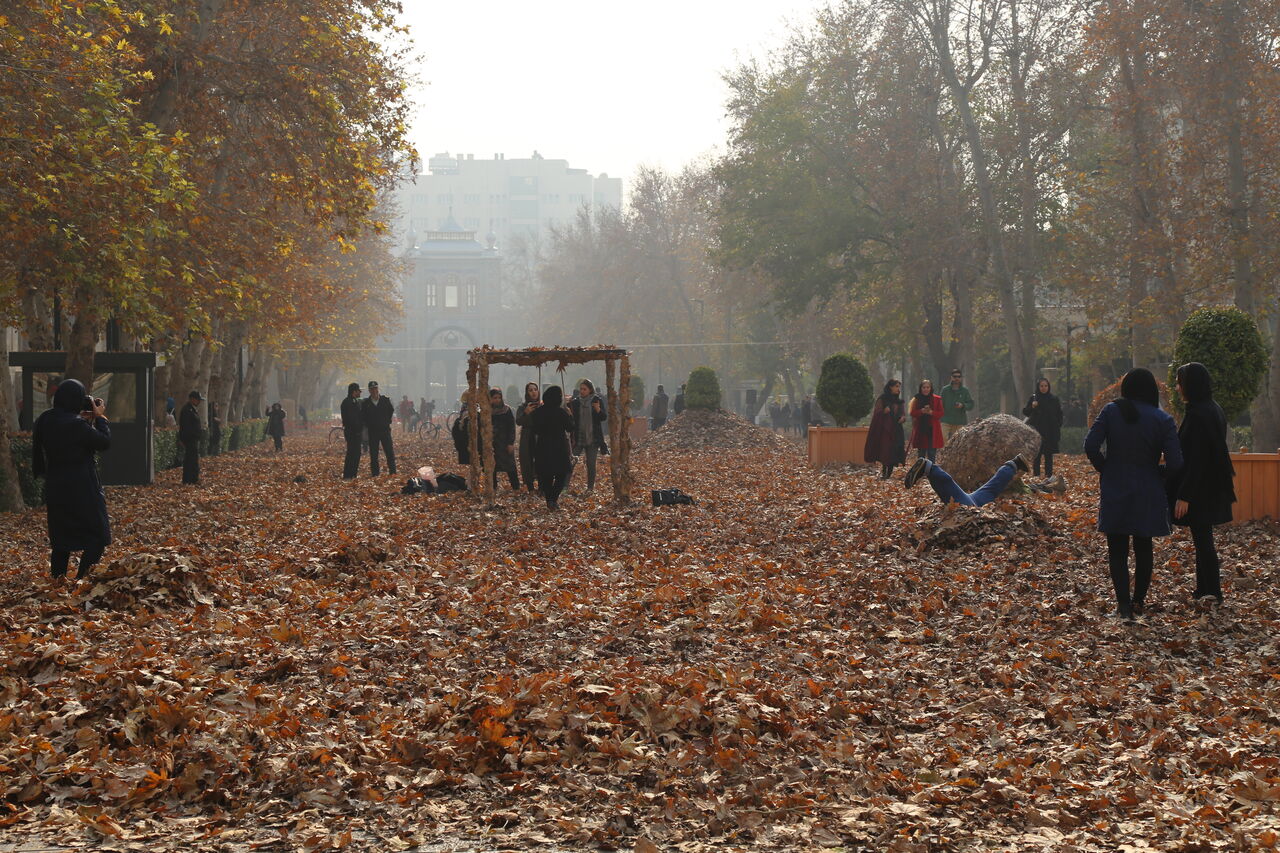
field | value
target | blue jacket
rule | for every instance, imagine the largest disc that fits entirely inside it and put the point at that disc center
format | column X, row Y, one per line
column 1133, row 499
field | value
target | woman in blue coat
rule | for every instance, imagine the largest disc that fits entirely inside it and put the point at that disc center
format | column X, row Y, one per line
column 1203, row 491
column 63, row 444
column 1125, row 444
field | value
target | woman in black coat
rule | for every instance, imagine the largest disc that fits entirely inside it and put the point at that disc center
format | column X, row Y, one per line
column 63, row 444
column 551, row 424
column 1202, row 491
column 504, row 439
column 886, row 442
column 1044, row 414
column 532, row 402
column 275, row 425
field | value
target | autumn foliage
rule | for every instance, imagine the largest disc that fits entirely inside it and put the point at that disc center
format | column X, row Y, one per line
column 801, row 659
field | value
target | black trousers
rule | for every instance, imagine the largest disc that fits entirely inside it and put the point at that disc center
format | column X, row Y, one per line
column 191, row 461
column 59, row 560
column 1143, row 559
column 1208, row 575
column 279, row 440
column 215, row 443
column 512, row 477
column 553, row 482
column 381, row 439
column 1048, row 464
column 351, row 464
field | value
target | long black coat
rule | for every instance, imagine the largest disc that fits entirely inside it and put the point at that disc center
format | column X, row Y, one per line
column 275, row 422
column 63, row 446
column 504, row 435
column 551, row 426
column 1046, row 419
column 1205, row 480
column 189, row 428
column 352, row 418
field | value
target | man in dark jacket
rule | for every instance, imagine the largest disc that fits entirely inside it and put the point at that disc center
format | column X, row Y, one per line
column 190, row 434
column 658, row 409
column 678, row 405
column 378, row 414
column 352, row 431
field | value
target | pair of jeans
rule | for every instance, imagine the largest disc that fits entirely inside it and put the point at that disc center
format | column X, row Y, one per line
column 949, row 491
column 553, row 483
column 1143, row 561
column 351, row 464
column 191, row 462
column 60, row 559
column 1048, row 464
column 1208, row 576
column 381, row 438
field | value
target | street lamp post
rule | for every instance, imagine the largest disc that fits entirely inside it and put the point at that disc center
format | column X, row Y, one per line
column 1071, row 388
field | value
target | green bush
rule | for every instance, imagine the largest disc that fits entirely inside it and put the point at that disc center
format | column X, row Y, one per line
column 1226, row 341
column 844, row 389
column 702, row 391
column 164, row 448
column 637, row 393
column 1072, row 440
column 32, row 487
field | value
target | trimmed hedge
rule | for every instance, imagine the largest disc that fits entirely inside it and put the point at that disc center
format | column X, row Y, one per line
column 844, row 389
column 637, row 393
column 702, row 390
column 1227, row 342
column 164, row 448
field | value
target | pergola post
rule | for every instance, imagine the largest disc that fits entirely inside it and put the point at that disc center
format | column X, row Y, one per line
column 485, row 414
column 622, row 450
column 473, row 423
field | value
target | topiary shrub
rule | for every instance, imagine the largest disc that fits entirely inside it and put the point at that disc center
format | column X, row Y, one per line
column 702, row 391
column 844, row 389
column 637, row 393
column 1226, row 341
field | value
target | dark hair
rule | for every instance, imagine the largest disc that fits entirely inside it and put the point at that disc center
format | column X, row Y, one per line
column 591, row 386
column 553, row 397
column 920, row 387
column 526, row 389
column 1139, row 385
column 1046, row 381
column 955, row 371
column 70, row 396
column 1197, row 384
column 888, row 388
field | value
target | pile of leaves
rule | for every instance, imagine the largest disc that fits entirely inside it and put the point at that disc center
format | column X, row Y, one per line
column 778, row 666
column 953, row 526
column 713, row 429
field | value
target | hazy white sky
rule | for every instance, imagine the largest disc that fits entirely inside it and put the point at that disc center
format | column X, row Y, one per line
column 607, row 86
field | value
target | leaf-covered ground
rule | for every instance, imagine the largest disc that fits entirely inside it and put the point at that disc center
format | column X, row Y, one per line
column 276, row 665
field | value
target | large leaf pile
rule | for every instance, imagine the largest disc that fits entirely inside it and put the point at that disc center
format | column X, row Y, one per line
column 799, row 660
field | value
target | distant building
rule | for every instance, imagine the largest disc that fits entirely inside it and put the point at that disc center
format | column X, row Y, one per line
column 517, row 200
column 452, row 303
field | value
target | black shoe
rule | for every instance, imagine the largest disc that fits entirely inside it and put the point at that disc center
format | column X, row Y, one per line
column 918, row 469
column 1020, row 463
column 1138, row 608
column 1125, row 614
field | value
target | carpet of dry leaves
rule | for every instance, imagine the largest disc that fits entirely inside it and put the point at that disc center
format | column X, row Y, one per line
column 801, row 660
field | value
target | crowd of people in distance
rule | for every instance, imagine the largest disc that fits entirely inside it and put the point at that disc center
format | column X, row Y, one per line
column 553, row 435
column 1153, row 473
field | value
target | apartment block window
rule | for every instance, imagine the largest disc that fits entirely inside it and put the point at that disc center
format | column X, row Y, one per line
column 450, row 296
column 473, row 294
column 431, row 294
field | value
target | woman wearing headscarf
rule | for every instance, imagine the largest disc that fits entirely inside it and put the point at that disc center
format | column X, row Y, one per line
column 551, row 424
column 1203, row 491
column 1133, row 505
column 275, row 425
column 1044, row 414
column 64, row 442
column 885, row 439
column 504, row 439
column 532, row 402
column 926, row 421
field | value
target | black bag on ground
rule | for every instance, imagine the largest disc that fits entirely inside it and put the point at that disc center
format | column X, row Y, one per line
column 670, row 497
column 444, row 483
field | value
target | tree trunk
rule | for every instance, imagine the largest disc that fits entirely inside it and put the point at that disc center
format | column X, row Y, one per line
column 1265, row 413
column 81, row 345
column 1028, row 194
column 991, row 226
column 10, row 492
column 37, row 313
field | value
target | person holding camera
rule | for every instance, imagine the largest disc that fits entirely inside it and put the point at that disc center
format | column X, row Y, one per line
column 63, row 443
column 532, row 402
column 588, row 434
column 190, row 433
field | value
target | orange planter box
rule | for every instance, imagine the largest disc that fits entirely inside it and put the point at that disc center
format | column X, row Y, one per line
column 829, row 445
column 1257, row 485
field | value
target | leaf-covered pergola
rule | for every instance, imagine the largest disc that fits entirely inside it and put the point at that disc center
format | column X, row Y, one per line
column 619, row 400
